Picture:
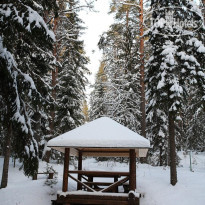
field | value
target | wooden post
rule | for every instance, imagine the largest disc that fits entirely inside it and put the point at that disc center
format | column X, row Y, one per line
column 79, row 187
column 132, row 179
column 66, row 169
column 90, row 179
column 50, row 175
column 132, row 199
column 35, row 177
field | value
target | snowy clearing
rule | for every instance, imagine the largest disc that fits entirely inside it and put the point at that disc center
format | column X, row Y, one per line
column 153, row 182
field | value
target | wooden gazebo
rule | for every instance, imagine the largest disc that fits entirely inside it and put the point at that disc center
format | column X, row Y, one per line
column 100, row 138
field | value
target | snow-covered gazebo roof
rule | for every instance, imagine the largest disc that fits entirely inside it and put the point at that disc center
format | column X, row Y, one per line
column 101, row 137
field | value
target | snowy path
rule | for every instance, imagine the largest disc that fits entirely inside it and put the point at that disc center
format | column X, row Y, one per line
column 153, row 181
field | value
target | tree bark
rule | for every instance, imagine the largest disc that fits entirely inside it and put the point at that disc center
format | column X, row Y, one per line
column 172, row 150
column 127, row 18
column 204, row 9
column 4, row 179
column 143, row 113
column 160, row 157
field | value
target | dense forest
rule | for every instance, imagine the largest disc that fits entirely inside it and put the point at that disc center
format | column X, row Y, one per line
column 151, row 78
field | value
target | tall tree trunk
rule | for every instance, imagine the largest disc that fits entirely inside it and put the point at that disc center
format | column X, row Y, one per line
column 127, row 17
column 4, row 179
column 172, row 150
column 142, row 85
column 47, row 152
column 143, row 113
column 204, row 9
column 37, row 127
column 160, row 157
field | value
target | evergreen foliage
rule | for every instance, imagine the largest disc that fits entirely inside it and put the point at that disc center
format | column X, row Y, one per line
column 25, row 59
column 97, row 98
column 120, row 48
column 71, row 77
column 175, row 65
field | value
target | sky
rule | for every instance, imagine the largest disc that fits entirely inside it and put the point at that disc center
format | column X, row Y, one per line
column 96, row 23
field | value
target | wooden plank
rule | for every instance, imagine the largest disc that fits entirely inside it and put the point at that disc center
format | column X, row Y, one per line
column 84, row 178
column 97, row 199
column 105, row 154
column 100, row 173
column 81, row 183
column 112, row 152
column 74, row 152
column 50, row 175
column 106, row 151
column 43, row 172
column 132, row 180
column 99, row 183
column 93, row 201
column 95, row 195
column 66, row 169
column 114, row 185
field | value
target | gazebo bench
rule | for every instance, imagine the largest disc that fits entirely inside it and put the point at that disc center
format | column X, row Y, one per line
column 96, row 198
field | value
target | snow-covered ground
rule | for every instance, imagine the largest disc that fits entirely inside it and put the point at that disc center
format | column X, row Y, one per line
column 153, row 182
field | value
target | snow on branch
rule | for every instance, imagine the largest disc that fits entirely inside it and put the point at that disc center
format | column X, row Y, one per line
column 19, row 104
column 26, row 19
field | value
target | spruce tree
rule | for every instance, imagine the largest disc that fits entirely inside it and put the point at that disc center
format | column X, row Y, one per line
column 68, row 79
column 176, row 61
column 25, row 57
column 71, row 80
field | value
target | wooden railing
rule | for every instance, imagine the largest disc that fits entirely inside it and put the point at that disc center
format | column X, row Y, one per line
column 91, row 174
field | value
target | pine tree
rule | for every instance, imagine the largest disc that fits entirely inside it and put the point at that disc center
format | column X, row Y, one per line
column 97, row 99
column 142, row 71
column 176, row 62
column 120, row 46
column 25, row 56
